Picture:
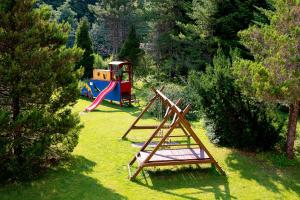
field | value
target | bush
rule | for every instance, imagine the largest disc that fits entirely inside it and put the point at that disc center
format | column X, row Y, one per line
column 100, row 63
column 232, row 118
column 173, row 92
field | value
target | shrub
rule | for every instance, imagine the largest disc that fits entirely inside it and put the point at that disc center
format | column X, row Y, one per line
column 232, row 118
column 100, row 63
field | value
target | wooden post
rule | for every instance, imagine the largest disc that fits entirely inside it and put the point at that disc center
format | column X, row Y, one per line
column 165, row 136
column 165, row 119
column 140, row 116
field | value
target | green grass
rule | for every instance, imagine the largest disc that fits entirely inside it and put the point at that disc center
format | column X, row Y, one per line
column 97, row 169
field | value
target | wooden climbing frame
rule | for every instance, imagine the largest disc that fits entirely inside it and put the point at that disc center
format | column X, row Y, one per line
column 134, row 125
column 175, row 154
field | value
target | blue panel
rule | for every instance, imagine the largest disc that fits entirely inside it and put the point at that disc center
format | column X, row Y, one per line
column 97, row 85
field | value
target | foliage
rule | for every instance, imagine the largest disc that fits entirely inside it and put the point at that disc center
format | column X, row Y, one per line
column 65, row 14
column 100, row 63
column 187, row 34
column 219, row 21
column 131, row 49
column 170, row 51
column 101, row 43
column 115, row 19
column 53, row 3
column 81, row 8
column 274, row 76
column 234, row 119
column 38, row 84
column 84, row 41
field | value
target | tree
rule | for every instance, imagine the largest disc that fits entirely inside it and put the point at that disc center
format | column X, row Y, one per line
column 218, row 22
column 232, row 119
column 131, row 48
column 170, row 51
column 275, row 74
column 84, row 41
column 38, row 84
column 65, row 14
column 115, row 18
column 81, row 8
column 53, row 3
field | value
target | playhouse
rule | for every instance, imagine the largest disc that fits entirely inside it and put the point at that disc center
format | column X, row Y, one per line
column 114, row 84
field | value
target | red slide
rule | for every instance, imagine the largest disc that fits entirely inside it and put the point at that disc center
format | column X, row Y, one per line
column 101, row 96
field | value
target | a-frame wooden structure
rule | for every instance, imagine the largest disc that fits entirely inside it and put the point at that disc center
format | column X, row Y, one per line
column 174, row 154
column 166, row 126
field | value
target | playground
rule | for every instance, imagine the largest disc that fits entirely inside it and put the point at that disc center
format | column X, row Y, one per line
column 98, row 167
column 149, row 100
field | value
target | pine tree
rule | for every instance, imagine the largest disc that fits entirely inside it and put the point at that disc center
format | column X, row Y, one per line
column 170, row 50
column 115, row 17
column 219, row 21
column 232, row 119
column 81, row 8
column 38, row 84
column 84, row 41
column 274, row 75
column 64, row 13
column 131, row 48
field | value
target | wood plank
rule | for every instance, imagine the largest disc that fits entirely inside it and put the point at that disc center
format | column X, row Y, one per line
column 151, row 127
column 182, row 162
column 174, row 155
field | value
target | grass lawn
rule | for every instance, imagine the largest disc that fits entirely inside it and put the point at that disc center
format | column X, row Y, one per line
column 98, row 169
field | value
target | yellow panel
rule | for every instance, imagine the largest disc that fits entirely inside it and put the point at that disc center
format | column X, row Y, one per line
column 100, row 74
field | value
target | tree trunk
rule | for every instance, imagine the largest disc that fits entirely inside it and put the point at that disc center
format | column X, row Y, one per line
column 15, row 107
column 292, row 128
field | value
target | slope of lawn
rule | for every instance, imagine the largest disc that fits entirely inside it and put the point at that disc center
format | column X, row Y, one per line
column 98, row 168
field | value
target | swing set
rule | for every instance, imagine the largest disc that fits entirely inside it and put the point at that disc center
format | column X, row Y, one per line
column 167, row 153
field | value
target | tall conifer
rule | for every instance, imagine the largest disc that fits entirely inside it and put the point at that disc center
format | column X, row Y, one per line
column 38, row 84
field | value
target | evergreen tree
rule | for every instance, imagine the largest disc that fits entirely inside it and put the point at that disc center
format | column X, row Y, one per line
column 84, row 41
column 219, row 21
column 131, row 48
column 81, row 8
column 115, row 17
column 274, row 76
column 170, row 50
column 53, row 3
column 232, row 119
column 38, row 84
column 65, row 14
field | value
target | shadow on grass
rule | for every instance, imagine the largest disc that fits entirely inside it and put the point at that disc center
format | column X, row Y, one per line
column 268, row 171
column 70, row 180
column 132, row 110
column 205, row 180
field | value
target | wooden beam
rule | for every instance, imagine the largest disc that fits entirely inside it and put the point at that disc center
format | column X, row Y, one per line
column 140, row 116
column 172, row 136
column 178, row 145
column 189, row 129
column 167, row 101
column 151, row 127
column 153, row 135
column 165, row 136
column 181, row 162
